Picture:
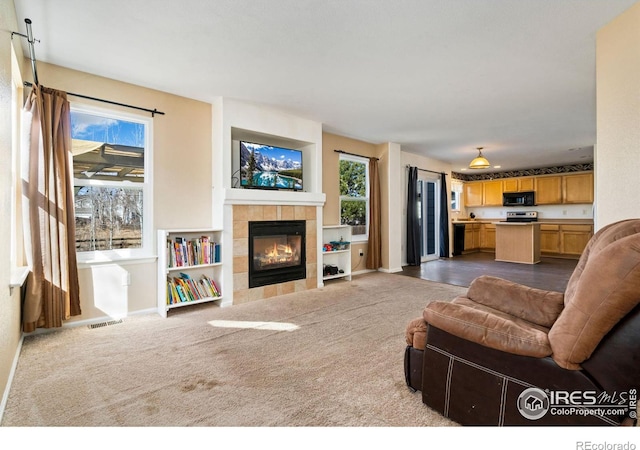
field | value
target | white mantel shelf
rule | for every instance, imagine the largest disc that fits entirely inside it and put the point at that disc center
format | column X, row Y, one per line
column 268, row 197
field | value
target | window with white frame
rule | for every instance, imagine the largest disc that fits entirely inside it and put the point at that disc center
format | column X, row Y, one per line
column 354, row 195
column 17, row 256
column 112, row 184
column 456, row 196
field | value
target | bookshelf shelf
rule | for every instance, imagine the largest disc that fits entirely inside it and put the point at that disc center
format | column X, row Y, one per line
column 189, row 268
column 340, row 258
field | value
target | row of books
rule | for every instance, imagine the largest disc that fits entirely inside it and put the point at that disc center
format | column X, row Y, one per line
column 183, row 252
column 185, row 289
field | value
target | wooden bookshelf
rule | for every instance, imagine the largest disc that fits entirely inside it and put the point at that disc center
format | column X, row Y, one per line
column 189, row 268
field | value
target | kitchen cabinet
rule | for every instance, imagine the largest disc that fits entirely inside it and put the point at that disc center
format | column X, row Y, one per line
column 519, row 184
column 518, row 242
column 488, row 236
column 577, row 188
column 574, row 238
column 548, row 190
column 549, row 238
column 471, row 236
column 564, row 240
column 492, row 193
column 473, row 194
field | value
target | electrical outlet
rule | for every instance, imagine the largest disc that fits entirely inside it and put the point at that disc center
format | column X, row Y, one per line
column 361, row 252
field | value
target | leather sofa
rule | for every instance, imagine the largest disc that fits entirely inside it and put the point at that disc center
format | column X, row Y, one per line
column 508, row 354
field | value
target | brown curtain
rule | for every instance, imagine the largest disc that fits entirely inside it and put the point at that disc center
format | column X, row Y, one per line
column 374, row 247
column 51, row 291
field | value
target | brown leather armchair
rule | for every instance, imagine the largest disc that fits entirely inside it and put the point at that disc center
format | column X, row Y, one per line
column 508, row 354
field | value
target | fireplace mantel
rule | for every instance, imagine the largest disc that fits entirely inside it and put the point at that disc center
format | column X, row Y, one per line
column 267, row 197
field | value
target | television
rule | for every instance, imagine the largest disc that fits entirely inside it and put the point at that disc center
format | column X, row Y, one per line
column 268, row 167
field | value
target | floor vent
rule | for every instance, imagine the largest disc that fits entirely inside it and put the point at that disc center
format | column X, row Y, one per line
column 104, row 324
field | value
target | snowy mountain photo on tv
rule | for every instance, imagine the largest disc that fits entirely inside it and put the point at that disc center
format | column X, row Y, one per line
column 268, row 167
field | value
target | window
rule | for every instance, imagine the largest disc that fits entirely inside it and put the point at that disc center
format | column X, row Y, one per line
column 456, row 194
column 112, row 184
column 354, row 195
column 18, row 263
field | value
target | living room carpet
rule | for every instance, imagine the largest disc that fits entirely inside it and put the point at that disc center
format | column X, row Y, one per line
column 328, row 357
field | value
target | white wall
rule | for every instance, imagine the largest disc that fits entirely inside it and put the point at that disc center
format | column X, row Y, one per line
column 617, row 155
column 233, row 119
column 544, row 211
column 395, row 225
column 10, row 317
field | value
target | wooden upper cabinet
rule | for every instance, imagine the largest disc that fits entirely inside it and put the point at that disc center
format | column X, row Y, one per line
column 510, row 185
column 548, row 190
column 473, row 194
column 492, row 193
column 577, row 188
column 522, row 184
column 526, row 184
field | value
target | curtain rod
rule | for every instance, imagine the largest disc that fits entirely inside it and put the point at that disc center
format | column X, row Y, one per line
column 153, row 112
column 353, row 154
column 32, row 57
column 32, row 52
column 427, row 170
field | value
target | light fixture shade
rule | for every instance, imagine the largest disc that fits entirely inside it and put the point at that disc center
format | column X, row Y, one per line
column 480, row 162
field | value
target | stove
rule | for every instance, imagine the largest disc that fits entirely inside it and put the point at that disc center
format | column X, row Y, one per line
column 522, row 216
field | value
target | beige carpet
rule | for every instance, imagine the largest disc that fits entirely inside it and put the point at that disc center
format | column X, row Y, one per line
column 328, row 357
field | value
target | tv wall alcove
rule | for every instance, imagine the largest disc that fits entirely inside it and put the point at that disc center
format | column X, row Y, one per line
column 235, row 206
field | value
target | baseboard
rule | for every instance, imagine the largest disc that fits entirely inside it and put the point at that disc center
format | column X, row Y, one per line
column 94, row 320
column 14, row 365
column 363, row 271
column 394, row 270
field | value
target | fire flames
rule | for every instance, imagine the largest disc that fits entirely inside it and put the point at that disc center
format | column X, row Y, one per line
column 278, row 254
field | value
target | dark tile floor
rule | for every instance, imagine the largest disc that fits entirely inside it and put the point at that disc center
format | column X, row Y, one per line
column 550, row 273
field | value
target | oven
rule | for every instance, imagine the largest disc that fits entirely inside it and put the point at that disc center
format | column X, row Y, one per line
column 522, row 216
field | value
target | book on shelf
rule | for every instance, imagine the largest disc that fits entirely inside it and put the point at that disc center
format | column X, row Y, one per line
column 185, row 289
column 182, row 252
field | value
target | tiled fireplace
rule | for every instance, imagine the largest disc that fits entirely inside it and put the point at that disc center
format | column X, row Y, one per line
column 276, row 252
column 270, row 215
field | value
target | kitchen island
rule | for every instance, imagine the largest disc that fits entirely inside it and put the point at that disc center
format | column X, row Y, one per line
column 518, row 242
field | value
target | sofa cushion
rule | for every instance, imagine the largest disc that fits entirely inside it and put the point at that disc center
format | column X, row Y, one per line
column 488, row 327
column 603, row 289
column 533, row 305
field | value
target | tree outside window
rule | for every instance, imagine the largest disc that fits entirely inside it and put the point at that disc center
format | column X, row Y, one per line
column 354, row 194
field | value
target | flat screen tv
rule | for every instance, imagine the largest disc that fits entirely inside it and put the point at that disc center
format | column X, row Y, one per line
column 268, row 167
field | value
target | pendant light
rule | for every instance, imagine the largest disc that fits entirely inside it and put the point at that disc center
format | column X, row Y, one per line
column 480, row 162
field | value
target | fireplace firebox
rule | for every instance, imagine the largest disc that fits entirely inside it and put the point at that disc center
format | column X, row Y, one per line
column 276, row 252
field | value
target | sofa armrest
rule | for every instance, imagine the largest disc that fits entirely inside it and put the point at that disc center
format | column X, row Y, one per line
column 416, row 333
column 533, row 305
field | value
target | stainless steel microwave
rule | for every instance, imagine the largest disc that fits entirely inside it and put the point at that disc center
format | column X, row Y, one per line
column 518, row 198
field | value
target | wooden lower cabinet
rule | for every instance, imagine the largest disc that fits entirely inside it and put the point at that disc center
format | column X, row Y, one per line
column 549, row 238
column 471, row 237
column 566, row 241
column 487, row 236
column 574, row 238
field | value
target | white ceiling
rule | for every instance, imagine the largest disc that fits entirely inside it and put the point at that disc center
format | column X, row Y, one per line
column 439, row 77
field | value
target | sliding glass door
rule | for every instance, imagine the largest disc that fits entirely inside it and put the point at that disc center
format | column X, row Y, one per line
column 429, row 218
